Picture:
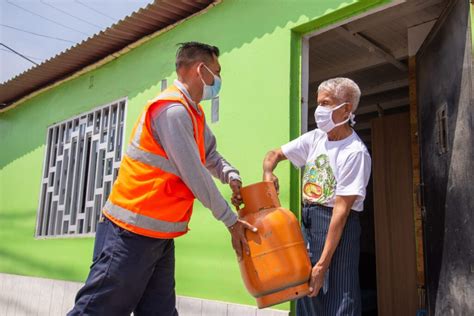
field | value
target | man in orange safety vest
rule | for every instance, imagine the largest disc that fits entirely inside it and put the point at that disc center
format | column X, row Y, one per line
column 170, row 161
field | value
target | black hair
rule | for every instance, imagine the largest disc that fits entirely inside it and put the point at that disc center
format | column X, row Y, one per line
column 191, row 52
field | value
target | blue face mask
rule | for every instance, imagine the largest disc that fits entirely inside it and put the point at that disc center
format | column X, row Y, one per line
column 210, row 92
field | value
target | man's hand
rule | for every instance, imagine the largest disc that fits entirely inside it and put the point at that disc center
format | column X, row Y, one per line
column 317, row 280
column 236, row 199
column 270, row 176
column 239, row 242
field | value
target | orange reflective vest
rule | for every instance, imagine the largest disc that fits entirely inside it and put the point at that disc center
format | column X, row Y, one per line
column 148, row 197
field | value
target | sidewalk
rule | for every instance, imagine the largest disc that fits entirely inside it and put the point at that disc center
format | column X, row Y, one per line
column 21, row 295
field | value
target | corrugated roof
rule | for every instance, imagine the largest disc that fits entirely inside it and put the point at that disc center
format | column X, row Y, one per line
column 154, row 17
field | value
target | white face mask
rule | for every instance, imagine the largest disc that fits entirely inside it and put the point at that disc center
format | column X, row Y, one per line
column 211, row 91
column 323, row 117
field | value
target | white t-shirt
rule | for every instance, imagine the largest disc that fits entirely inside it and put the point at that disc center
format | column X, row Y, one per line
column 331, row 167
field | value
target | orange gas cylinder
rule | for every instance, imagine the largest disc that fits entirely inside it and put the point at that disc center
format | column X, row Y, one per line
column 278, row 267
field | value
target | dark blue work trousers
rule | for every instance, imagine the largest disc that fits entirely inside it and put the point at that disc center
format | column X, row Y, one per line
column 129, row 273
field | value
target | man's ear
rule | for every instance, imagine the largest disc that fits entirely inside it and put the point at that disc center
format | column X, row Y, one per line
column 199, row 67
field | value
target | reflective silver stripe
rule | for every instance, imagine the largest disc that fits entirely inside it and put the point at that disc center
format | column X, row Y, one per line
column 139, row 130
column 143, row 221
column 151, row 159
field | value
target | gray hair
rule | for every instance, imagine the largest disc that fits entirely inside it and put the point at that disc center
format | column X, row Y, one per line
column 343, row 89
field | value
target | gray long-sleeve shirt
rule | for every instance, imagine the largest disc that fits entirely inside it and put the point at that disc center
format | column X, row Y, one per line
column 173, row 130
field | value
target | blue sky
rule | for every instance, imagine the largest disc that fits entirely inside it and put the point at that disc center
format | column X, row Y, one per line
column 69, row 21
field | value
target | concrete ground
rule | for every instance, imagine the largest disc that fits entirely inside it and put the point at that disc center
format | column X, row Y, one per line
column 21, row 295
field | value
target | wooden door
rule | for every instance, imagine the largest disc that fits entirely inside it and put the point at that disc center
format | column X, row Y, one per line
column 393, row 216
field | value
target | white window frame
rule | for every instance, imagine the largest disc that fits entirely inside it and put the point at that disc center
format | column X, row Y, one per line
column 98, row 147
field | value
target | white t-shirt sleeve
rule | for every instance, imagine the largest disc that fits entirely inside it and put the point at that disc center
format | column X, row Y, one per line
column 297, row 150
column 354, row 175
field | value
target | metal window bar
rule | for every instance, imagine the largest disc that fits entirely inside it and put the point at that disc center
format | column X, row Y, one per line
column 82, row 159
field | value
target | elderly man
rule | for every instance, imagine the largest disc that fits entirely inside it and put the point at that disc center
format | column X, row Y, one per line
column 169, row 161
column 337, row 170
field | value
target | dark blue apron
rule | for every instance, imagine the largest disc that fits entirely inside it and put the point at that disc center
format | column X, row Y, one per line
column 340, row 294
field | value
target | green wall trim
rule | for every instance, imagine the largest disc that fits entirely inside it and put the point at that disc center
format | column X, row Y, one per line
column 345, row 11
column 295, row 116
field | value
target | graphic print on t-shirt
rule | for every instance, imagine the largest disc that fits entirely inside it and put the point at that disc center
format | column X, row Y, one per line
column 319, row 183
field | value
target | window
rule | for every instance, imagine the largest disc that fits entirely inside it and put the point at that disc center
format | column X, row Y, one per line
column 81, row 163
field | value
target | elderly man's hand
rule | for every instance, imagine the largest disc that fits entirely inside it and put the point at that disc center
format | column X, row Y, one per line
column 239, row 241
column 270, row 176
column 236, row 199
column 317, row 280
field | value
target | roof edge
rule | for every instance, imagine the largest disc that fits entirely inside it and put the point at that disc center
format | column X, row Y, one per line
column 107, row 59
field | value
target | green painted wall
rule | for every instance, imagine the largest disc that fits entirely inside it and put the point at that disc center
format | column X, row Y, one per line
column 260, row 45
